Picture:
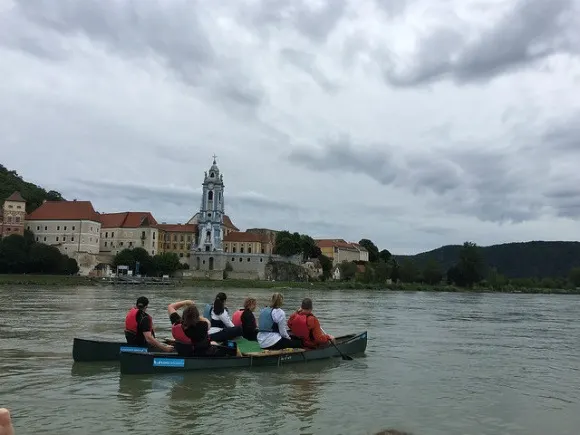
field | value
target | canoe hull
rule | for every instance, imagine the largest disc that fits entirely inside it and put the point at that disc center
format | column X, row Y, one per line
column 155, row 362
column 86, row 350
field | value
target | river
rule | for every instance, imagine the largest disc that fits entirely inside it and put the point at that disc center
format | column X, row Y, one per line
column 436, row 364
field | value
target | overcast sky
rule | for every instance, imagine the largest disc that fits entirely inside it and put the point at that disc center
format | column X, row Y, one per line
column 415, row 123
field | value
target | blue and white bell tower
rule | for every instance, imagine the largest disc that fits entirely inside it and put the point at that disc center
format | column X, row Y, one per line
column 211, row 212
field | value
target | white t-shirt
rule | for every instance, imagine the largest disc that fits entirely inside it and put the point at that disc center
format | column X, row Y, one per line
column 224, row 317
column 267, row 339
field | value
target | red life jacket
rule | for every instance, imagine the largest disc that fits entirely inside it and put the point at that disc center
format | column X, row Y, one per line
column 300, row 329
column 131, row 320
column 131, row 324
column 237, row 317
column 179, row 334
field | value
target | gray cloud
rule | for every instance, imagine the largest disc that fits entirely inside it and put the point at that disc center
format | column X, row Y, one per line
column 175, row 36
column 564, row 136
column 532, row 30
column 307, row 62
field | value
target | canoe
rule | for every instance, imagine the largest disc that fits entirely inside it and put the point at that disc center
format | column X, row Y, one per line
column 155, row 362
column 87, row 350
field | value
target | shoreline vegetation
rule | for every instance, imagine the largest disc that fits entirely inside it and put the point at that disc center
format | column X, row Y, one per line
column 75, row 280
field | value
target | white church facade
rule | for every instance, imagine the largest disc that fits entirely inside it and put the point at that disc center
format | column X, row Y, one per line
column 209, row 255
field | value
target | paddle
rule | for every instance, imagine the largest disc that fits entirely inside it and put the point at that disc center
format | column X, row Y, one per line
column 344, row 357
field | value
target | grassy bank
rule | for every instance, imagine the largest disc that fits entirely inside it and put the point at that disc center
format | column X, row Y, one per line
column 63, row 281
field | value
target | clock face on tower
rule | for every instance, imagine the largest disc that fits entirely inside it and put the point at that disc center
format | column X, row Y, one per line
column 210, row 186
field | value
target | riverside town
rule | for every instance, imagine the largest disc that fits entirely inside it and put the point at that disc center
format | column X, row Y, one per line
column 45, row 234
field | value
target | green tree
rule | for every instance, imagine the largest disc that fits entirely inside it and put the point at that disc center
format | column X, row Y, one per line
column 384, row 255
column 432, row 272
column 408, row 271
column 574, row 276
column 372, row 248
column 347, row 270
column 326, row 264
column 288, row 244
column 308, row 247
column 45, row 259
column 166, row 263
column 471, row 265
column 495, row 279
column 382, row 272
column 13, row 254
column 69, row 266
column 395, row 270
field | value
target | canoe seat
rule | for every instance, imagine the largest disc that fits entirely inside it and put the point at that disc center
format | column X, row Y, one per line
column 274, row 352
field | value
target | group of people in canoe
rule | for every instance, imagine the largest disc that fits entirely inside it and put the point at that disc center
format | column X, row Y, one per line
column 209, row 333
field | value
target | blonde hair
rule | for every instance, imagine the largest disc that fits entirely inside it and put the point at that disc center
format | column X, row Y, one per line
column 277, row 300
column 249, row 302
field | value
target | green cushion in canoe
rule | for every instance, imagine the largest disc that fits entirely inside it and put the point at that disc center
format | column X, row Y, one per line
column 247, row 346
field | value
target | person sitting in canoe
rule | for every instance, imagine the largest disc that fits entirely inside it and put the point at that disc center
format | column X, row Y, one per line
column 245, row 318
column 305, row 325
column 191, row 333
column 222, row 327
column 139, row 327
column 272, row 330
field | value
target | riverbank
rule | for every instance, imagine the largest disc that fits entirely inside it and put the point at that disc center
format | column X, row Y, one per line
column 66, row 281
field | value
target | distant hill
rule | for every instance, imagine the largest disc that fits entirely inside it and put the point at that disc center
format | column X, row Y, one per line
column 33, row 194
column 514, row 260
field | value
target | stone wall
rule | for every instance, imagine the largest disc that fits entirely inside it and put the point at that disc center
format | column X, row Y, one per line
column 243, row 275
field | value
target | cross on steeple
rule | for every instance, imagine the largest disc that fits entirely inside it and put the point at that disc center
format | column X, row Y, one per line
column 214, row 157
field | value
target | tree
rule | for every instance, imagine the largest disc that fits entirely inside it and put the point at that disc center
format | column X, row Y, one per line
column 382, row 271
column 470, row 264
column 45, row 259
column 495, row 279
column 166, row 263
column 13, row 254
column 326, row 264
column 408, row 271
column 384, row 255
column 308, row 247
column 347, row 270
column 69, row 266
column 372, row 248
column 288, row 244
column 395, row 270
column 432, row 273
column 574, row 276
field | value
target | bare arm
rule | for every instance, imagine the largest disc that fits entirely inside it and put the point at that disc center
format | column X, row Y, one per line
column 172, row 308
column 225, row 317
column 152, row 341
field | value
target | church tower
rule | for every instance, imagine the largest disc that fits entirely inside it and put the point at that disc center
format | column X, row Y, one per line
column 211, row 212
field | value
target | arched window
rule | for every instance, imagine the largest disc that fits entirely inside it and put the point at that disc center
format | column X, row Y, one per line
column 210, row 195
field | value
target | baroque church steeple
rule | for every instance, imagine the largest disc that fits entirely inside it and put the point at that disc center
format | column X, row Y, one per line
column 211, row 212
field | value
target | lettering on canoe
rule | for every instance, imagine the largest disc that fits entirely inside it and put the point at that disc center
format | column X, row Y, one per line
column 133, row 349
column 285, row 358
column 168, row 362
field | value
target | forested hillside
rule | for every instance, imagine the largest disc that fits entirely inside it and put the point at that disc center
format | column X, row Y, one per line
column 514, row 260
column 10, row 181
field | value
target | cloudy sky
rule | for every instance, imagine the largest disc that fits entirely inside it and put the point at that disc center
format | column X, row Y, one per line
column 415, row 123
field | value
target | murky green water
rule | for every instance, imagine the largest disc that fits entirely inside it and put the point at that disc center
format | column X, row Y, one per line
column 436, row 364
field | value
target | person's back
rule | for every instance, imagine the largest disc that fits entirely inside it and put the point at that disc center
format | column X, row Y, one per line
column 272, row 329
column 137, row 322
column 304, row 325
column 245, row 319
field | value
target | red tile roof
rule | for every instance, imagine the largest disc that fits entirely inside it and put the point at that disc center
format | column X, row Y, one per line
column 178, row 228
column 229, row 224
column 16, row 197
column 127, row 219
column 64, row 210
column 239, row 236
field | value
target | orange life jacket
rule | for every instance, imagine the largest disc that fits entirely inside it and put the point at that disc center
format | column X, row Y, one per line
column 300, row 329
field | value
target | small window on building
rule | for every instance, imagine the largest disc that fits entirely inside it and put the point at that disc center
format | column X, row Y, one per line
column 58, row 227
column 57, row 238
column 28, row 227
column 17, row 219
column 45, row 228
column 261, row 260
column 45, row 239
column 73, row 228
column 262, row 250
column 107, row 235
column 241, row 249
column 121, row 244
column 152, row 252
column 210, row 195
column 105, row 243
column 65, row 227
column 38, row 228
column 203, row 261
column 181, row 254
column 72, row 238
column 248, row 259
column 64, row 238
column 130, row 244
column 241, row 259
column 153, row 236
column 37, row 238
column 249, row 249
column 211, row 175
column 233, row 259
column 234, row 249
column 112, row 233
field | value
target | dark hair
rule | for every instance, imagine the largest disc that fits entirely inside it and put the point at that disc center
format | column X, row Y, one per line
column 142, row 302
column 218, row 306
column 190, row 316
column 306, row 304
column 221, row 296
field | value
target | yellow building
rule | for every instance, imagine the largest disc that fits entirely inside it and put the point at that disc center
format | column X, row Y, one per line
column 177, row 238
column 340, row 250
column 246, row 242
